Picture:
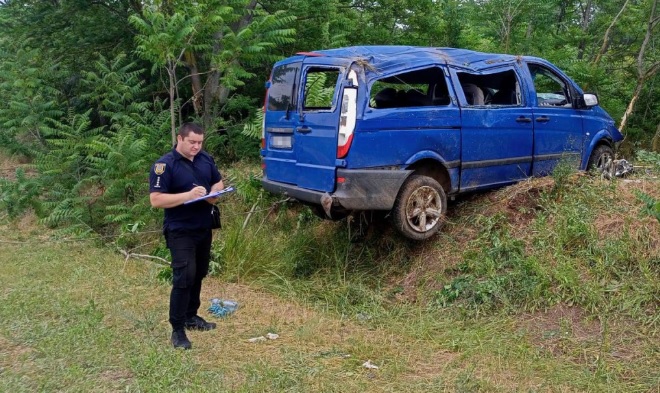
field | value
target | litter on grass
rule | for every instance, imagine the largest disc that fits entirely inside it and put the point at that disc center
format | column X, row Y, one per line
column 222, row 308
column 269, row 336
column 369, row 365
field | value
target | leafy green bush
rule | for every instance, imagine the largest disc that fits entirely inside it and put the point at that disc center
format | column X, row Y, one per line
column 16, row 196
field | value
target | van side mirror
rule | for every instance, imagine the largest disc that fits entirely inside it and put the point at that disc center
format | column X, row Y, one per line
column 589, row 100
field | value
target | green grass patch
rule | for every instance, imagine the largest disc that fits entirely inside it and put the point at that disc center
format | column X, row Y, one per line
column 537, row 287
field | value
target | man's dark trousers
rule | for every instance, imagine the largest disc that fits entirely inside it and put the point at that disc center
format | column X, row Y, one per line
column 191, row 252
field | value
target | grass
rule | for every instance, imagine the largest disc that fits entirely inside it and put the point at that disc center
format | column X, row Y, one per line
column 538, row 287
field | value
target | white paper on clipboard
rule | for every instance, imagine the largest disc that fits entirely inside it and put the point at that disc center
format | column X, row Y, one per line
column 213, row 194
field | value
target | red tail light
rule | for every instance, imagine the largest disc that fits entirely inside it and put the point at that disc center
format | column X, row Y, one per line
column 342, row 150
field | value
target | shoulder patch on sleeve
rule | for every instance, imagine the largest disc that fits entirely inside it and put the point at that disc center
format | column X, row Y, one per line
column 159, row 168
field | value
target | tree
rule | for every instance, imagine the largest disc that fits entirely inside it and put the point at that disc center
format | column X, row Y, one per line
column 645, row 69
column 163, row 40
column 216, row 41
column 608, row 33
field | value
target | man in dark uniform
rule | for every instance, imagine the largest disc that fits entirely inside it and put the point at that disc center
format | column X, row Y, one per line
column 185, row 173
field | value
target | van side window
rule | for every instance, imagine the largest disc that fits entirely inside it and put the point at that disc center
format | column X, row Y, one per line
column 424, row 87
column 551, row 90
column 282, row 91
column 491, row 90
column 320, row 84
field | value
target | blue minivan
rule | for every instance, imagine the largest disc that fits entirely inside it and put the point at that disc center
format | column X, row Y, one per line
column 400, row 129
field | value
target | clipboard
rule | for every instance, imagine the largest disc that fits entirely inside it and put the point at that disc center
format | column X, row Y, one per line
column 213, row 194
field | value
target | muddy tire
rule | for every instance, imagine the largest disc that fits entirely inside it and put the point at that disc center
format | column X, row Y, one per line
column 600, row 157
column 420, row 208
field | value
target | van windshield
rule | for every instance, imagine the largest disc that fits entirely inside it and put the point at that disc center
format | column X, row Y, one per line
column 283, row 86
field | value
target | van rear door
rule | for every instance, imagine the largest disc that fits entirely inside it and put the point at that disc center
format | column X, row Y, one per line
column 302, row 121
column 280, row 121
column 316, row 134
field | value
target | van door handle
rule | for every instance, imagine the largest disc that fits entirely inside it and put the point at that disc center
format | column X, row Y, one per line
column 542, row 119
column 304, row 130
column 523, row 119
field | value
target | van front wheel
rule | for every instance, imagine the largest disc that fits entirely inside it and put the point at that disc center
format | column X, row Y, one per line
column 601, row 158
column 419, row 209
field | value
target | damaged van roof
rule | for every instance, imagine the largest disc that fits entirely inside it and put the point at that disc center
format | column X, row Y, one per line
column 394, row 56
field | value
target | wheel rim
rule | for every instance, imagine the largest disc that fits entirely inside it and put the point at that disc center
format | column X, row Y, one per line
column 603, row 160
column 424, row 209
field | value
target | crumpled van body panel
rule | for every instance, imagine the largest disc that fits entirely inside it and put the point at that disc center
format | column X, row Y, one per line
column 400, row 128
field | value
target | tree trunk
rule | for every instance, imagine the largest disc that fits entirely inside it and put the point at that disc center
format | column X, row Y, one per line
column 562, row 14
column 196, row 82
column 136, row 6
column 649, row 32
column 215, row 94
column 171, row 69
column 655, row 142
column 584, row 24
column 631, row 105
column 212, row 82
column 642, row 75
column 606, row 37
column 506, row 31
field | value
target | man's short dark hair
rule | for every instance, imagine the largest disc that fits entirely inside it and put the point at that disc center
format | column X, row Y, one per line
column 187, row 128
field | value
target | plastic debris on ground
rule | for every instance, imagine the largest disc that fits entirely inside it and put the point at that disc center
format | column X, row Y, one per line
column 617, row 168
column 369, row 365
column 221, row 308
column 269, row 336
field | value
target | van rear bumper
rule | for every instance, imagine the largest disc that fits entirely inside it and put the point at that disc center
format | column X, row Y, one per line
column 361, row 189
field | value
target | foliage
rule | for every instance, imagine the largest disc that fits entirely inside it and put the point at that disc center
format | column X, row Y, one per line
column 649, row 157
column 19, row 195
column 217, row 41
column 253, row 127
column 93, row 124
column 30, row 101
column 91, row 179
column 209, row 59
column 71, row 192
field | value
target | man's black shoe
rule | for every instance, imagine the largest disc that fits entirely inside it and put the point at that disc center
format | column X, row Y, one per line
column 179, row 339
column 198, row 323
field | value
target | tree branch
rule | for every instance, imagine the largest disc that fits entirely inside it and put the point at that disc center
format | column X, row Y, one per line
column 652, row 70
column 647, row 38
column 606, row 37
column 129, row 255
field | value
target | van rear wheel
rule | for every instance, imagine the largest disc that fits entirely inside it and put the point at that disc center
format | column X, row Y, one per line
column 420, row 208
